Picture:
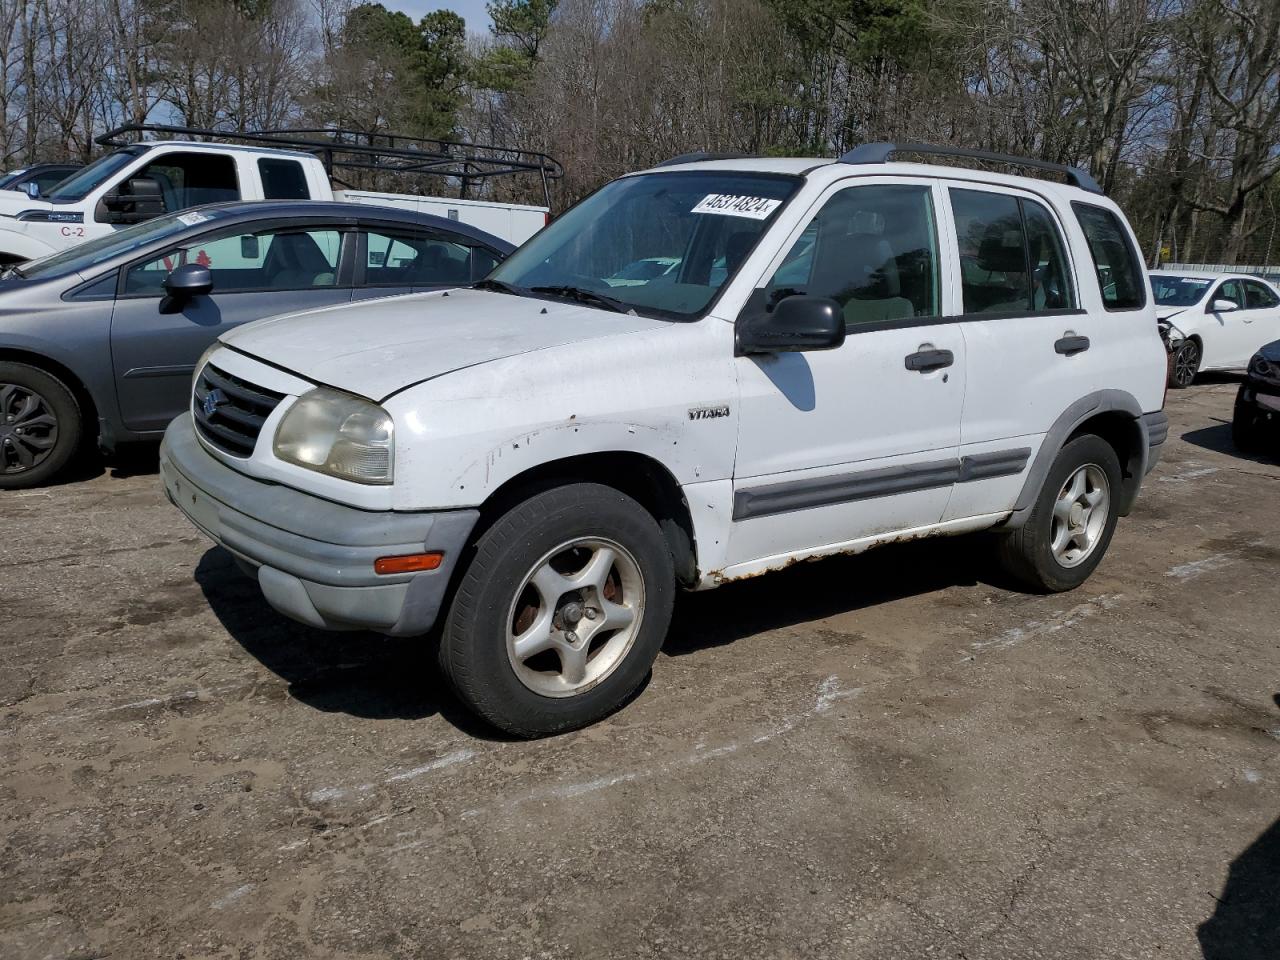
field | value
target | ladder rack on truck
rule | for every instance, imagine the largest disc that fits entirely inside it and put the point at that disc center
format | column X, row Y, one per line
column 341, row 149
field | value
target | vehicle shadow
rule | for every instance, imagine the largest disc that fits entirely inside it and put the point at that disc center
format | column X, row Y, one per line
column 363, row 674
column 1218, row 439
column 1246, row 921
column 812, row 591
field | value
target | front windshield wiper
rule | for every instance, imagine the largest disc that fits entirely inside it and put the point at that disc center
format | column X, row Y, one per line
column 583, row 295
column 500, row 285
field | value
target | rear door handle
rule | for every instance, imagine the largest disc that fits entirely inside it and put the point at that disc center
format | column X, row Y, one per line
column 926, row 360
column 1071, row 344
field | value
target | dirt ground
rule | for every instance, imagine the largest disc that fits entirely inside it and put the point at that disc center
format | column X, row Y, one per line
column 890, row 756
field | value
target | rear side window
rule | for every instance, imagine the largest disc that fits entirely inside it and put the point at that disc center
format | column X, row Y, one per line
column 283, row 179
column 1258, row 296
column 1114, row 259
column 1012, row 258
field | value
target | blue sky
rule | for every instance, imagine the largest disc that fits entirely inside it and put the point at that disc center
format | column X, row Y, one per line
column 472, row 11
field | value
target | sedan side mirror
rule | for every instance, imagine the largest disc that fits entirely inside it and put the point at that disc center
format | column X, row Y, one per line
column 1223, row 306
column 187, row 281
column 797, row 323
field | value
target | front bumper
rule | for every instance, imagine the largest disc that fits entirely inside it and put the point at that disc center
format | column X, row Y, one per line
column 323, row 578
column 1264, row 397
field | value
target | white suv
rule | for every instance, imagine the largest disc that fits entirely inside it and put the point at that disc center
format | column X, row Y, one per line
column 846, row 354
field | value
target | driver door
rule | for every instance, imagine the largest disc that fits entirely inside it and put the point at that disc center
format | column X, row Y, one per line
column 842, row 444
column 155, row 342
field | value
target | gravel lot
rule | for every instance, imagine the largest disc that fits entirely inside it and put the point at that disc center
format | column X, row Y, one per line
column 886, row 756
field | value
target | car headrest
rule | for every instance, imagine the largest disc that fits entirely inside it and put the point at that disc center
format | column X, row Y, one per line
column 1001, row 249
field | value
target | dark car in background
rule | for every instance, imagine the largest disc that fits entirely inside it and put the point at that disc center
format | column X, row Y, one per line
column 102, row 338
column 1255, row 427
column 43, row 175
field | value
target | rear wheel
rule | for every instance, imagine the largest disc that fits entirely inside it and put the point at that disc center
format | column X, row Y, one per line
column 1071, row 523
column 1186, row 364
column 561, row 612
column 39, row 425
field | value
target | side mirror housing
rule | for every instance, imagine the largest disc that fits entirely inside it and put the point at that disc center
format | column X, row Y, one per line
column 797, row 323
column 33, row 189
column 1223, row 306
column 189, row 280
column 140, row 199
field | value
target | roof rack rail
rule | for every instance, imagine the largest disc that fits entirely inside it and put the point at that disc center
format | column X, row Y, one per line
column 880, row 153
column 700, row 156
column 344, row 149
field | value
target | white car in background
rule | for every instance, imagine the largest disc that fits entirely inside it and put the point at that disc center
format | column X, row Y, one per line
column 1223, row 319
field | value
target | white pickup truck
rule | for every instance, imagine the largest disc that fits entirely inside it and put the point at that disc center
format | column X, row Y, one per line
column 145, row 179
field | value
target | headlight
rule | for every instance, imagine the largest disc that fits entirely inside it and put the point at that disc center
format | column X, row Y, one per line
column 338, row 434
column 1261, row 367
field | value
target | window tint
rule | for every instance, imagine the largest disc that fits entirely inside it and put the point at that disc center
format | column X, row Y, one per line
column 482, row 262
column 190, row 179
column 1051, row 287
column 283, row 179
column 993, row 254
column 409, row 259
column 285, row 259
column 873, row 250
column 1257, row 296
column 1114, row 259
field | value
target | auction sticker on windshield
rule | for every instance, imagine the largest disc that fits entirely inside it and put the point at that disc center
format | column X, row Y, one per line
column 193, row 217
column 734, row 205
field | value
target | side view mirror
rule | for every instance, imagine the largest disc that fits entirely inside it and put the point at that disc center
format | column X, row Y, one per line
column 33, row 189
column 140, row 199
column 1223, row 306
column 187, row 281
column 797, row 323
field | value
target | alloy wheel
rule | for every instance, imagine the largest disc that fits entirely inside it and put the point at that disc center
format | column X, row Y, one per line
column 28, row 428
column 1080, row 515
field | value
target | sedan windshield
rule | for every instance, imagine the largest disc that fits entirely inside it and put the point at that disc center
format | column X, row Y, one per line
column 661, row 244
column 87, row 255
column 1179, row 291
column 80, row 184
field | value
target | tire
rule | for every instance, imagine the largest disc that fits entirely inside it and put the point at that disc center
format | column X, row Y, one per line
column 540, row 548
column 1028, row 555
column 1247, row 428
column 40, row 426
column 1186, row 364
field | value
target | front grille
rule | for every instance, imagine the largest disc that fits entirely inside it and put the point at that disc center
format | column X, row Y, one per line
column 229, row 412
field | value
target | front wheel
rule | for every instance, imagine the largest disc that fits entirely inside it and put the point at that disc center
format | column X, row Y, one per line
column 561, row 612
column 1247, row 426
column 1186, row 364
column 39, row 425
column 1071, row 523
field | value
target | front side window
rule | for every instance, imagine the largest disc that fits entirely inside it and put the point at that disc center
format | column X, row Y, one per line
column 1231, row 292
column 406, row 259
column 1179, row 291
column 283, row 179
column 662, row 244
column 1114, row 259
column 1012, row 258
column 192, row 179
column 873, row 249
column 283, row 259
column 1258, row 296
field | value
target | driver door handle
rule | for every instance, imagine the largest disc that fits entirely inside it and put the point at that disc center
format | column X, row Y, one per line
column 926, row 360
column 1071, row 344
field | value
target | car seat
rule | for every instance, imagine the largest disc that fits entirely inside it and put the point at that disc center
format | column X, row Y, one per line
column 295, row 261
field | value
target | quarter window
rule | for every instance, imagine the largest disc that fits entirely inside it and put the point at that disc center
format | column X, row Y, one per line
column 285, row 259
column 872, row 249
column 1114, row 259
column 1012, row 258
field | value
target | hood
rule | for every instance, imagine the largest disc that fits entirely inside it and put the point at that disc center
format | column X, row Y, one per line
column 14, row 202
column 1271, row 351
column 1167, row 313
column 375, row 348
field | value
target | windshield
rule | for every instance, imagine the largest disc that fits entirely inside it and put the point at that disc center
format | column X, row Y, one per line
column 85, row 256
column 662, row 244
column 81, row 183
column 1179, row 291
